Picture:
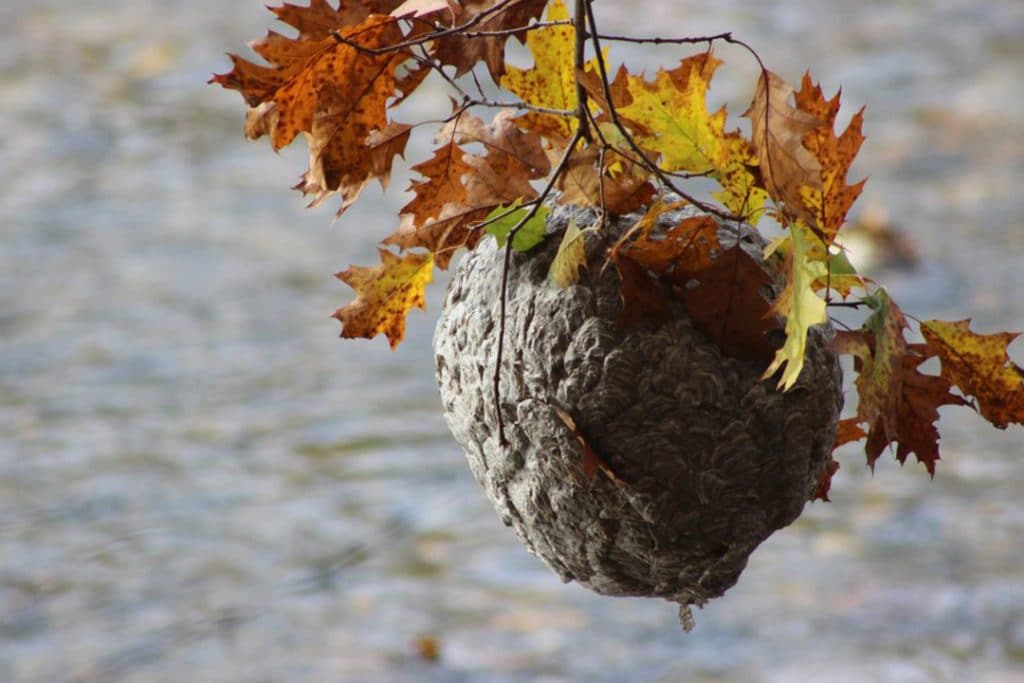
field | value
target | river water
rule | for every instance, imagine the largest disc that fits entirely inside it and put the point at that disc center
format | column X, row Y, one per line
column 198, row 481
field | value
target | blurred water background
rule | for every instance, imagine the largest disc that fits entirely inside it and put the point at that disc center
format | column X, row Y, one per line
column 199, row 482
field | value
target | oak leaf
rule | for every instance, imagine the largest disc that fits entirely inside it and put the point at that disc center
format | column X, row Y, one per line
column 729, row 304
column 465, row 51
column 896, row 402
column 798, row 303
column 803, row 165
column 592, row 462
column 825, row 482
column 830, row 204
column 570, row 257
column 643, row 297
column 331, row 92
column 981, row 367
column 460, row 189
column 618, row 187
column 672, row 117
column 384, row 294
column 777, row 133
column 679, row 251
column 551, row 82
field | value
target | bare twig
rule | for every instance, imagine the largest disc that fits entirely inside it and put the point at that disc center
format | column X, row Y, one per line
column 426, row 37
column 579, row 18
column 669, row 41
column 559, row 169
column 646, row 161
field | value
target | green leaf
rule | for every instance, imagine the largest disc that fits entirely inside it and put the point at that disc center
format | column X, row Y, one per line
column 504, row 219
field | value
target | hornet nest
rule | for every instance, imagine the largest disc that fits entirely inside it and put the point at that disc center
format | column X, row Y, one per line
column 706, row 459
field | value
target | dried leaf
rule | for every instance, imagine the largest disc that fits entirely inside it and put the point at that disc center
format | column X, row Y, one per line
column 571, row 256
column 680, row 251
column 424, row 8
column 592, row 462
column 333, row 93
column 777, row 132
column 848, row 431
column 384, row 294
column 623, row 185
column 830, row 205
column 459, row 190
column 803, row 164
column 643, row 297
column 980, row 366
column 825, row 483
column 896, row 402
column 729, row 305
column 464, row 52
column 551, row 82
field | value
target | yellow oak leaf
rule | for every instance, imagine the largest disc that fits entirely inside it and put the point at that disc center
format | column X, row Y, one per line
column 672, row 117
column 384, row 294
column 799, row 304
column 981, row 367
column 571, row 256
column 551, row 82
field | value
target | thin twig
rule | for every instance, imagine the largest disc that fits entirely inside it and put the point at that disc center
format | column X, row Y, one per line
column 426, row 37
column 559, row 169
column 516, row 31
column 669, row 41
column 579, row 18
column 614, row 114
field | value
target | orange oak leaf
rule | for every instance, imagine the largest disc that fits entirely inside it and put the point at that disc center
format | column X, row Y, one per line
column 318, row 19
column 981, row 367
column 384, row 294
column 802, row 163
column 551, row 82
column 466, row 51
column 460, row 189
column 513, row 158
column 848, row 431
column 679, row 251
column 331, row 92
column 830, row 205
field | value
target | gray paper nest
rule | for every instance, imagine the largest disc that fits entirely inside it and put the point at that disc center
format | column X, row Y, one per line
column 711, row 459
